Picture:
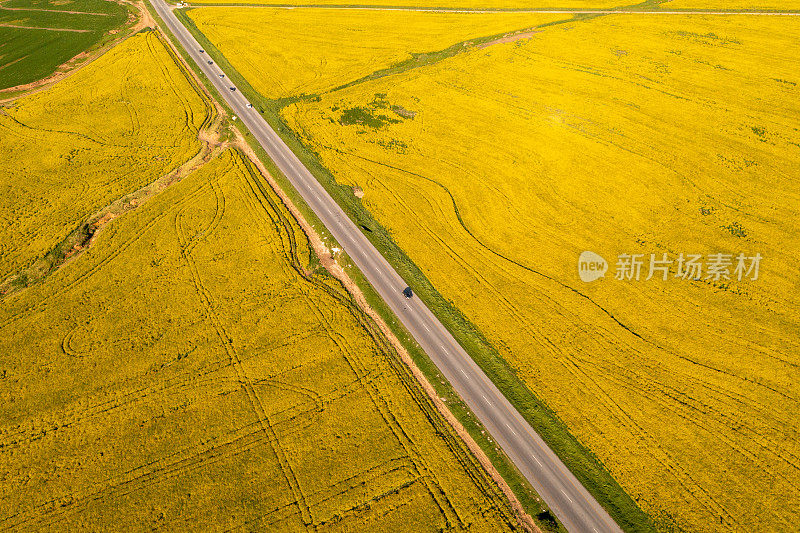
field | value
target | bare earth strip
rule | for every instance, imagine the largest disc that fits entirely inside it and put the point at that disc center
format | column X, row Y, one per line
column 54, row 11
column 511, row 38
column 40, row 28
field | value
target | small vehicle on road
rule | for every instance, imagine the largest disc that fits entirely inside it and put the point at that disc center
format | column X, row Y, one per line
column 232, row 89
column 202, row 51
column 210, row 62
column 249, row 106
column 222, row 75
column 408, row 293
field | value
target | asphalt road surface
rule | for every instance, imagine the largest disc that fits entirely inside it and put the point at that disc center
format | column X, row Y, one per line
column 567, row 498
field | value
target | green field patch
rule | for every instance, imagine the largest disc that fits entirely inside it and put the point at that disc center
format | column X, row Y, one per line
column 74, row 21
column 84, row 6
column 35, row 49
column 28, row 55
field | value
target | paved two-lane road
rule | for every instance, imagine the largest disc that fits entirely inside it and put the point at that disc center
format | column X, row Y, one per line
column 568, row 499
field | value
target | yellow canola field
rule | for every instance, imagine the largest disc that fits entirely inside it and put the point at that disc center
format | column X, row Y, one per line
column 117, row 124
column 781, row 5
column 186, row 369
column 646, row 135
column 284, row 53
column 466, row 4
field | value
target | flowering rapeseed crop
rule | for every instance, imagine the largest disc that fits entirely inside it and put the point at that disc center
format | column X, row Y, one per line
column 306, row 51
column 495, row 169
column 118, row 124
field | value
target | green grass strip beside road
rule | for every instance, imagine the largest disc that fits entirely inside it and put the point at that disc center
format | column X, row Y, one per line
column 580, row 460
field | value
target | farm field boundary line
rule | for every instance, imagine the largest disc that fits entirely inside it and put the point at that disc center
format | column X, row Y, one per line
column 272, row 107
column 426, row 59
column 41, row 28
column 621, row 11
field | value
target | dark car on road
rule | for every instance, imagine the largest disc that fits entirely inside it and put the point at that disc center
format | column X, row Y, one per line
column 407, row 292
